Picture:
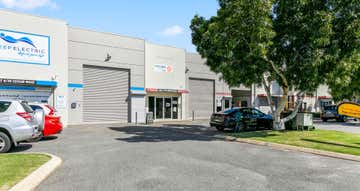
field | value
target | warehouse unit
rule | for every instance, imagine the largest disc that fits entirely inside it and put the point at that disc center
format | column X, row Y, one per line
column 106, row 73
column 207, row 91
column 33, row 60
column 165, row 82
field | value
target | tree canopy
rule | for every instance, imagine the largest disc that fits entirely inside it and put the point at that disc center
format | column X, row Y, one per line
column 299, row 43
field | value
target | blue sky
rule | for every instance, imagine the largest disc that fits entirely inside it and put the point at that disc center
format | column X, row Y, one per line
column 158, row 21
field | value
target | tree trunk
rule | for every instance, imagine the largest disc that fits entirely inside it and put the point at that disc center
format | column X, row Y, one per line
column 268, row 95
column 296, row 109
column 279, row 124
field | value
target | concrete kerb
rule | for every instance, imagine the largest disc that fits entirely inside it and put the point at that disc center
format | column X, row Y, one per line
column 295, row 148
column 35, row 178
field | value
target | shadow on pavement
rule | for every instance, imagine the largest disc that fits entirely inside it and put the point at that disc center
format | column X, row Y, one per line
column 21, row 148
column 170, row 132
column 49, row 138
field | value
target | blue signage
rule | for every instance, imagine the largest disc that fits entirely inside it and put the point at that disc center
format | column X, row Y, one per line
column 26, row 48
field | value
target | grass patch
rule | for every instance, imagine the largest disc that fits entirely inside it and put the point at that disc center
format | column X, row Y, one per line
column 334, row 141
column 15, row 167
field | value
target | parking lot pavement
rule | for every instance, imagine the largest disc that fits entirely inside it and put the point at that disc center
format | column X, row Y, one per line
column 350, row 126
column 183, row 157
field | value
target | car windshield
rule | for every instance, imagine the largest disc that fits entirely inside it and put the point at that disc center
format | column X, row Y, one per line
column 330, row 108
column 230, row 110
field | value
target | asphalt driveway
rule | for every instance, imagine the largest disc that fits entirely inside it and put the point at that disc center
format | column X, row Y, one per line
column 349, row 126
column 183, row 157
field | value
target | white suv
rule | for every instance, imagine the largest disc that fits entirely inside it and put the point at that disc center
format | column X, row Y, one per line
column 18, row 122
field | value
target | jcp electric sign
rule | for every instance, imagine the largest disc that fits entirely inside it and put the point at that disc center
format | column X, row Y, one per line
column 24, row 48
column 163, row 68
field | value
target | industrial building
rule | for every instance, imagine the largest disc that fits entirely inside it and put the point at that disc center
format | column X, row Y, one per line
column 95, row 77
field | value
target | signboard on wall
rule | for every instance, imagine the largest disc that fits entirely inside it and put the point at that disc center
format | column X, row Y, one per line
column 163, row 68
column 60, row 102
column 26, row 48
column 25, row 93
column 16, row 82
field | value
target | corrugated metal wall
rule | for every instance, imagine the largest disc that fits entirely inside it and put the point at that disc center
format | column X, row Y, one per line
column 201, row 98
column 106, row 94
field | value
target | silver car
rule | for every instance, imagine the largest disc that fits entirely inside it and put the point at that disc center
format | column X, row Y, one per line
column 18, row 123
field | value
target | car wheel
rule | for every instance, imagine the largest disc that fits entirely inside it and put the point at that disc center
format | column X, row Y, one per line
column 220, row 128
column 5, row 143
column 324, row 120
column 344, row 119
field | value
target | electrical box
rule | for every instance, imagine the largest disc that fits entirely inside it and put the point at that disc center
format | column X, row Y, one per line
column 304, row 120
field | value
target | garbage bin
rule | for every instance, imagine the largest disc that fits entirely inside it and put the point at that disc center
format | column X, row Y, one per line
column 149, row 118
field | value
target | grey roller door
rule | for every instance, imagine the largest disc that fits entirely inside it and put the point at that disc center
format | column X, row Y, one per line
column 201, row 98
column 106, row 92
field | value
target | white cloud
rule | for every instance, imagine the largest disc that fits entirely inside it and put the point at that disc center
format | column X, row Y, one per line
column 28, row 4
column 172, row 31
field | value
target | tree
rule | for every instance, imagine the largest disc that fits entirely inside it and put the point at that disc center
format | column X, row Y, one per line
column 344, row 82
column 297, row 43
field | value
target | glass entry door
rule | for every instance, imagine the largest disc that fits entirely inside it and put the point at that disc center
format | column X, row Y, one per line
column 175, row 108
column 167, row 108
column 164, row 107
column 159, row 108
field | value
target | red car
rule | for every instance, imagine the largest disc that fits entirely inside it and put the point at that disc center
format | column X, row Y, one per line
column 52, row 124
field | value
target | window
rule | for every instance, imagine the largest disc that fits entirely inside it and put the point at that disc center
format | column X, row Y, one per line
column 26, row 107
column 35, row 107
column 244, row 103
column 330, row 108
column 152, row 105
column 4, row 106
column 227, row 103
column 257, row 112
column 246, row 112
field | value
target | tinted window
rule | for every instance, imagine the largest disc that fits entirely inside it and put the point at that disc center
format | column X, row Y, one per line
column 257, row 112
column 35, row 107
column 4, row 106
column 26, row 107
column 246, row 112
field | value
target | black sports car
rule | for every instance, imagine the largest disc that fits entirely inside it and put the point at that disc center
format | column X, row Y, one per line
column 242, row 118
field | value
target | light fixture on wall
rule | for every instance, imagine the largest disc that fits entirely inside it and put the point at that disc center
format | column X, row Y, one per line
column 108, row 57
column 186, row 70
